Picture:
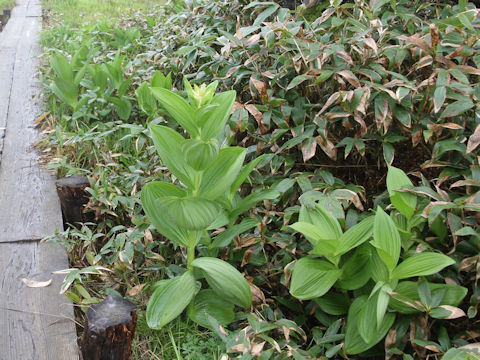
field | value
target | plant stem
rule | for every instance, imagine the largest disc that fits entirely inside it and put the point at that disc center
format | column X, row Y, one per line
column 196, row 182
column 191, row 249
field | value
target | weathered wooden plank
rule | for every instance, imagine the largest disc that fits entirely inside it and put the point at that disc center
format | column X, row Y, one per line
column 28, row 202
column 36, row 322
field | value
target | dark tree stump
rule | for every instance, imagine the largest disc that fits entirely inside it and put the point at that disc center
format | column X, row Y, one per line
column 73, row 198
column 109, row 330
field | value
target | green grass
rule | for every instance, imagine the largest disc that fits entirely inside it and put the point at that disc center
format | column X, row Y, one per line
column 6, row 4
column 76, row 12
column 177, row 341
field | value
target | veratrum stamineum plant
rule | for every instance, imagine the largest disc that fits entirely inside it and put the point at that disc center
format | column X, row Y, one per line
column 205, row 199
column 368, row 320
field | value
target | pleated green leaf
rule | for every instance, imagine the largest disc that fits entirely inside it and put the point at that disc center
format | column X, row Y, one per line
column 356, row 271
column 169, row 300
column 323, row 221
column 312, row 278
column 66, row 91
column 190, row 213
column 214, row 124
column 386, row 239
column 169, row 147
column 422, row 264
column 313, row 234
column 356, row 235
column 334, row 303
column 404, row 202
column 208, row 303
column 153, row 192
column 221, row 174
column 225, row 280
column 354, row 343
column 178, row 108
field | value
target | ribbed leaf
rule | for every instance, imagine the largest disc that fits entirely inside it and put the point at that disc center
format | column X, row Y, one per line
column 323, row 221
column 316, row 237
column 62, row 67
column 178, row 108
column 356, row 271
column 386, row 239
column 207, row 303
column 66, row 91
column 225, row 280
column 169, row 300
column 312, row 278
column 169, row 146
column 217, row 119
column 354, row 344
column 190, row 213
column 145, row 99
column 221, row 174
column 151, row 193
column 367, row 320
column 356, row 235
column 421, row 264
column 334, row 303
column 403, row 202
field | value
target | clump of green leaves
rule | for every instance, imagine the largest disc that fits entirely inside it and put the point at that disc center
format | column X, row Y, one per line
column 377, row 260
column 205, row 198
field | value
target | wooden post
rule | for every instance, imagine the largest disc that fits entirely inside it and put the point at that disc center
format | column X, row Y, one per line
column 73, row 198
column 109, row 330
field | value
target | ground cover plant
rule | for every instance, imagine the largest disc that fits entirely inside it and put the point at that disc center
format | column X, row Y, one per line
column 7, row 4
column 356, row 227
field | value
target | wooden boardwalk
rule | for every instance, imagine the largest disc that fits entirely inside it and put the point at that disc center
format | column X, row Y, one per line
column 35, row 323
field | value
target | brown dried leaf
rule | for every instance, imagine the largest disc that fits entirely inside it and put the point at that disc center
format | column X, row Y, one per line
column 363, row 127
column 325, row 15
column 416, row 40
column 261, row 88
column 417, row 138
column 238, row 33
column 452, row 126
column 391, row 339
column 371, row 44
column 432, row 348
column 455, row 312
column 333, row 98
column 308, row 150
column 252, row 109
column 232, row 71
column 252, row 40
column 469, row 69
column 246, row 256
column 135, row 290
column 474, row 346
column 268, row 74
column 36, row 284
column 328, row 147
column 258, row 297
column 474, row 140
column 352, row 79
column 345, row 56
column 434, row 35
column 257, row 349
